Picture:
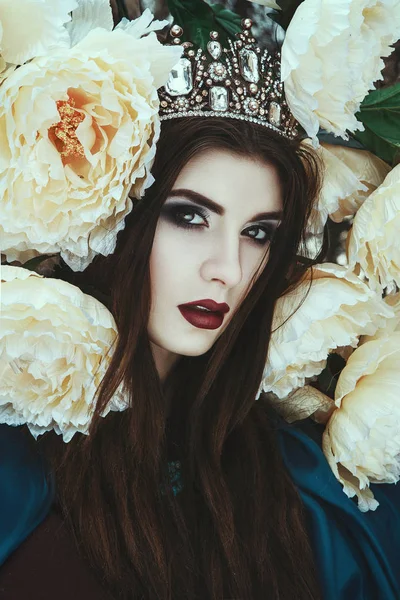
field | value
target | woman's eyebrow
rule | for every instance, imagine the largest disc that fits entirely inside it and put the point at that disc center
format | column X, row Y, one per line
column 217, row 208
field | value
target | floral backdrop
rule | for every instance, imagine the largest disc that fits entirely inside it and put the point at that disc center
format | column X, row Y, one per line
column 79, row 125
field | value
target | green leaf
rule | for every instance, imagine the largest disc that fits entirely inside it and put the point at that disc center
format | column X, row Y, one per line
column 330, row 138
column 386, row 96
column 228, row 20
column 197, row 18
column 380, row 114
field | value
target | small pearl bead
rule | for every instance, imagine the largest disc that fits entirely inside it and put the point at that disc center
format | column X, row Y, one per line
column 176, row 31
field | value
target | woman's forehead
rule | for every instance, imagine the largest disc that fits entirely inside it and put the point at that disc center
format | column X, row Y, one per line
column 232, row 180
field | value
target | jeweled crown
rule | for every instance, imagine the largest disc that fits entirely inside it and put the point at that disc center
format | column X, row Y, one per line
column 242, row 82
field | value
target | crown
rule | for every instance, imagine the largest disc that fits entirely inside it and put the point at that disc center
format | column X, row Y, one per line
column 242, row 82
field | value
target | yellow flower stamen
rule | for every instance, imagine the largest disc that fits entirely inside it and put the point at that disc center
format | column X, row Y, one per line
column 63, row 133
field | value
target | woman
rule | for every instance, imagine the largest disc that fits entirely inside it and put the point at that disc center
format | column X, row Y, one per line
column 224, row 222
column 197, row 491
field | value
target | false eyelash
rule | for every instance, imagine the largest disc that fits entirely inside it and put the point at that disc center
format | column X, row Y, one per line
column 268, row 229
column 173, row 210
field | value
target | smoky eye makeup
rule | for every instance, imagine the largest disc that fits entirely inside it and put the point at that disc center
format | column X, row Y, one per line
column 267, row 231
column 185, row 215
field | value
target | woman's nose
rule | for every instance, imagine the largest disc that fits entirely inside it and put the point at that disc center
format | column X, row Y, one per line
column 223, row 263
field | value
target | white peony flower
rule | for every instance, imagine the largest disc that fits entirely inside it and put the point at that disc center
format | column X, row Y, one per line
column 331, row 57
column 78, row 128
column 393, row 300
column 3, row 63
column 362, row 438
column 142, row 26
column 373, row 242
column 30, row 28
column 338, row 309
column 91, row 14
column 392, row 325
column 339, row 182
column 55, row 346
column 370, row 171
column 349, row 177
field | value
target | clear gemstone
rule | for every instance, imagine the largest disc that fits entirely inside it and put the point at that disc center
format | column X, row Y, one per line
column 274, row 114
column 253, row 105
column 218, row 98
column 214, row 49
column 249, row 65
column 180, row 79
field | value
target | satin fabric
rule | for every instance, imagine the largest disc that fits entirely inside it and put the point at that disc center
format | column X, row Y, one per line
column 357, row 554
column 26, row 490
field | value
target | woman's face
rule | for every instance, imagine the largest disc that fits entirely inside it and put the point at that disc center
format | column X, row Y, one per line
column 212, row 236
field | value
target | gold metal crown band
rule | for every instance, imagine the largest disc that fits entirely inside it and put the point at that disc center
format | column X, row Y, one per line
column 242, row 82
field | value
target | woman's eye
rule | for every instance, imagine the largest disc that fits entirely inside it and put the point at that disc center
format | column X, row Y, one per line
column 259, row 234
column 190, row 217
column 186, row 216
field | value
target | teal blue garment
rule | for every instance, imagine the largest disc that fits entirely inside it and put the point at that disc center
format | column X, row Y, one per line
column 357, row 554
column 26, row 491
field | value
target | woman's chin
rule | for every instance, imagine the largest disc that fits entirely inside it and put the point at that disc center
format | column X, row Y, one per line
column 191, row 349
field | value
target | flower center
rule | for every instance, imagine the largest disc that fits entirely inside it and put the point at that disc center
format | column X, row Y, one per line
column 63, row 134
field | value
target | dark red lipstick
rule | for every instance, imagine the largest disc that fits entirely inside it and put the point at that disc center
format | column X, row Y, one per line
column 211, row 316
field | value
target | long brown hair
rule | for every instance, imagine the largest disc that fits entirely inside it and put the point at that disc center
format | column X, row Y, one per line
column 236, row 529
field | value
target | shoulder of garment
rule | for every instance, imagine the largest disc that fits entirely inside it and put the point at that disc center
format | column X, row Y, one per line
column 357, row 554
column 26, row 489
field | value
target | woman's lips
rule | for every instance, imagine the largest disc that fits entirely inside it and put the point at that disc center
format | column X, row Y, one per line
column 201, row 318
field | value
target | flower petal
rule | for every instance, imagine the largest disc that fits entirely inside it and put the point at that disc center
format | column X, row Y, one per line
column 331, row 56
column 392, row 325
column 55, row 345
column 338, row 309
column 362, row 439
column 339, row 182
column 143, row 25
column 267, row 3
column 370, row 172
column 373, row 242
column 39, row 31
column 87, row 16
column 71, row 196
column 350, row 175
